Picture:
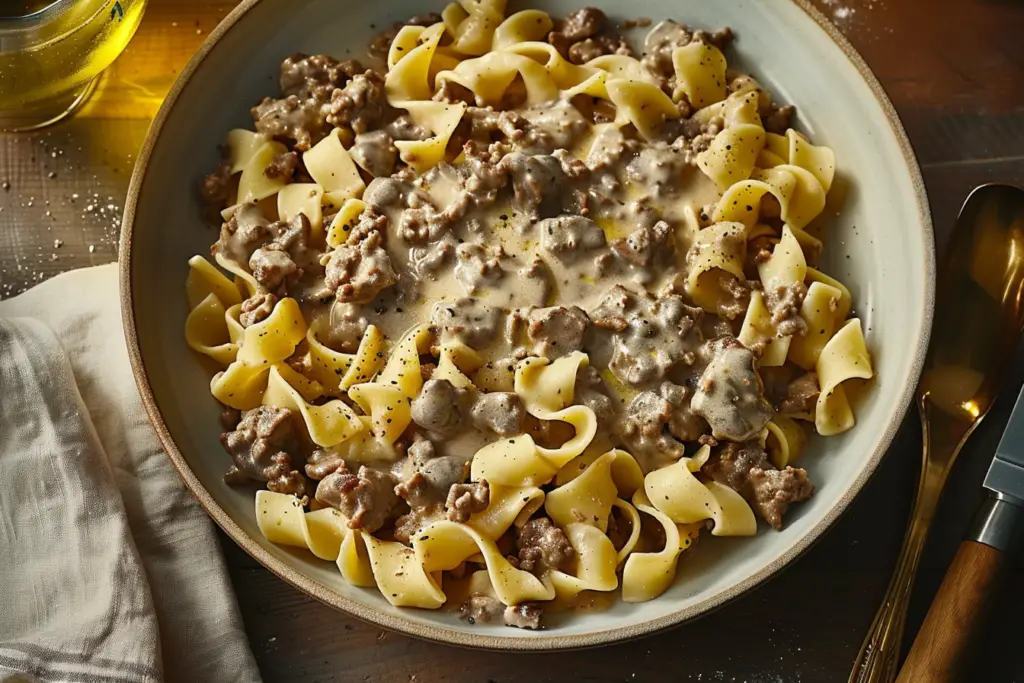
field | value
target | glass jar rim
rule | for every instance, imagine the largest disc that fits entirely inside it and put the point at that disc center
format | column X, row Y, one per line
column 30, row 31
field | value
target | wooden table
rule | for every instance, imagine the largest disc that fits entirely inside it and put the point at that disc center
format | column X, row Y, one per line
column 955, row 71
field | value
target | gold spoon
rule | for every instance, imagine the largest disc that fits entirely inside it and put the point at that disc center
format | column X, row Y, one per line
column 978, row 323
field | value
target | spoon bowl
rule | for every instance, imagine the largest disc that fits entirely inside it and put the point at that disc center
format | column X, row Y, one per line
column 978, row 323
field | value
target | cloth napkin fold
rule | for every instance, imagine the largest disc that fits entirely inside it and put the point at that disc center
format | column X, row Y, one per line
column 109, row 569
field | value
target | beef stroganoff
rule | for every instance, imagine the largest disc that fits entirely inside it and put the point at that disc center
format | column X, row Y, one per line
column 516, row 314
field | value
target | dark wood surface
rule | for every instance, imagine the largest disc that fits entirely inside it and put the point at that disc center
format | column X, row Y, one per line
column 955, row 72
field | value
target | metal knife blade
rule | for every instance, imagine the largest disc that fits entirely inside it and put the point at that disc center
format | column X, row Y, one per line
column 1006, row 473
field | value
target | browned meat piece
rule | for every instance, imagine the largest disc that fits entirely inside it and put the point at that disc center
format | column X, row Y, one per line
column 773, row 490
column 731, row 464
column 722, row 38
column 801, row 395
column 735, row 298
column 592, row 48
column 643, row 430
column 646, row 248
column 360, row 269
column 375, row 152
column 262, row 447
column 403, row 128
column 527, row 615
column 465, row 499
column 437, row 407
column 230, row 417
column 591, row 392
column 500, row 412
column 470, row 321
column 256, row 308
column 570, row 238
column 480, row 609
column 324, row 461
column 683, row 423
column 778, row 120
column 307, row 83
column 649, row 335
column 282, row 167
column 543, row 547
column 241, row 234
column 215, row 190
column 439, row 473
column 478, row 266
column 303, row 75
column 582, row 37
column 658, row 47
column 368, row 498
column 537, row 181
column 784, row 304
column 361, row 104
column 274, row 268
column 292, row 118
column 278, row 253
column 557, row 330
column 486, row 125
column 744, row 467
column 729, row 392
column 584, row 23
column 427, row 482
column 345, row 328
column 381, row 43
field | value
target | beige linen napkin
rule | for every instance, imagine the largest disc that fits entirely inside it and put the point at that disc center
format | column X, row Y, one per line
column 109, row 570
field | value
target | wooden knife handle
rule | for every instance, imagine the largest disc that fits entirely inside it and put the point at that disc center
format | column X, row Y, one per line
column 946, row 642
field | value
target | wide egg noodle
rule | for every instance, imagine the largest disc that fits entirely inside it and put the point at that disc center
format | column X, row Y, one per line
column 304, row 198
column 386, row 399
column 445, row 545
column 758, row 329
column 647, row 575
column 281, row 519
column 590, row 496
column 326, row 365
column 844, row 357
column 241, row 146
column 327, row 425
column 264, row 344
column 203, row 279
column 785, row 441
column 700, row 73
column 206, row 331
column 509, row 505
column 642, row 104
column 525, row 26
column 786, row 267
column 343, row 221
column 819, row 311
column 254, row 184
column 244, row 280
column 711, row 259
column 546, row 389
column 332, row 169
column 732, row 155
column 677, row 493
column 474, row 34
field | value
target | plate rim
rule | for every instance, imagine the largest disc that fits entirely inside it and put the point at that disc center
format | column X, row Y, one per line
column 441, row 634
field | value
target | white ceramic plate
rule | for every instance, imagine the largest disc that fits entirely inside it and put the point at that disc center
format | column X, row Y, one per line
column 879, row 244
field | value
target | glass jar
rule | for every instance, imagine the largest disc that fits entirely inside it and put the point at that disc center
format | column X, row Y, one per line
column 53, row 51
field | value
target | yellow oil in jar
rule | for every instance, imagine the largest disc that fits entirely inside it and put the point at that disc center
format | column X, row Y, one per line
column 51, row 54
